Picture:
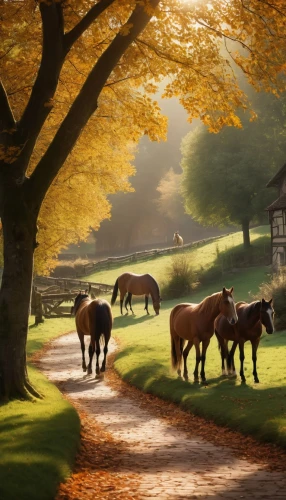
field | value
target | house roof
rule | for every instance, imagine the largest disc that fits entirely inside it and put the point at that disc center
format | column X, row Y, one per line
column 279, row 203
column 275, row 181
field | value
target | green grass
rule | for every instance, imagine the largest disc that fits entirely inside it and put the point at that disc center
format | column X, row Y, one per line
column 38, row 440
column 203, row 256
column 255, row 409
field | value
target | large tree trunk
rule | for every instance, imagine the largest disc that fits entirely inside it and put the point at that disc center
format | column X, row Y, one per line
column 19, row 231
column 246, row 235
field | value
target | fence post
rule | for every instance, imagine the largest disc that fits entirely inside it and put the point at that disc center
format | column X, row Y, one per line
column 38, row 308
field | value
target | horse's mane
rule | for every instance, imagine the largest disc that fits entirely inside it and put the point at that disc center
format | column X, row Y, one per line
column 210, row 303
column 156, row 285
column 76, row 307
column 251, row 307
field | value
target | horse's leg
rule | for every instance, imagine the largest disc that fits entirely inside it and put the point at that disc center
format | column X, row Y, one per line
column 205, row 344
column 82, row 345
column 91, row 353
column 146, row 304
column 198, row 359
column 230, row 359
column 105, row 351
column 130, row 299
column 254, row 345
column 241, row 357
column 221, row 346
column 185, row 356
column 122, row 295
column 126, row 303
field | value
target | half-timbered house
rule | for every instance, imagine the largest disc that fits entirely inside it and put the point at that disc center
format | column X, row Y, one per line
column 277, row 218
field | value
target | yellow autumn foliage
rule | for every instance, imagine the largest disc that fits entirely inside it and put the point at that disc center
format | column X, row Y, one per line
column 182, row 44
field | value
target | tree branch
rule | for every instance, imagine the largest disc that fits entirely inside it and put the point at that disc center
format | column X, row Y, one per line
column 7, row 120
column 73, row 35
column 40, row 101
column 85, row 104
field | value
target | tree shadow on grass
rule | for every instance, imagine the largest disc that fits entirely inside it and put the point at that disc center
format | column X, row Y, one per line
column 35, row 453
column 122, row 321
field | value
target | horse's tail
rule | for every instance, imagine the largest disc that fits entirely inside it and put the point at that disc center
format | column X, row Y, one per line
column 114, row 293
column 102, row 321
column 176, row 359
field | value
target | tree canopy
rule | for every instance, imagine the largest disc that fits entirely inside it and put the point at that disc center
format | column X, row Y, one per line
column 225, row 175
column 181, row 43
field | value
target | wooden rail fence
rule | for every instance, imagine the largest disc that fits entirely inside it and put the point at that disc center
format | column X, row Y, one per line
column 110, row 262
column 51, row 296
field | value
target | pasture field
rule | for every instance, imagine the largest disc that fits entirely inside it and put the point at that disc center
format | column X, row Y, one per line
column 255, row 409
column 202, row 257
column 38, row 440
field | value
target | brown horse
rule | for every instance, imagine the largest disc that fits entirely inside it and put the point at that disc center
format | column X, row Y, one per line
column 251, row 317
column 94, row 318
column 136, row 284
column 195, row 323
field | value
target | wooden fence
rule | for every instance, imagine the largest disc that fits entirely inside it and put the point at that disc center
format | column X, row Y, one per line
column 110, row 262
column 51, row 296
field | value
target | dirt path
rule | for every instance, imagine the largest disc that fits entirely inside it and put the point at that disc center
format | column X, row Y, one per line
column 149, row 456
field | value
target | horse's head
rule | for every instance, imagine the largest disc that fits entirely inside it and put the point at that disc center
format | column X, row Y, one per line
column 267, row 315
column 227, row 306
column 157, row 305
column 78, row 300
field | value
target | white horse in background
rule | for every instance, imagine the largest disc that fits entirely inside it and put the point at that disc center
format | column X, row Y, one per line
column 178, row 240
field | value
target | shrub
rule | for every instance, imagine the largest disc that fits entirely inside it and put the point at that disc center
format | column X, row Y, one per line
column 276, row 289
column 181, row 278
column 213, row 273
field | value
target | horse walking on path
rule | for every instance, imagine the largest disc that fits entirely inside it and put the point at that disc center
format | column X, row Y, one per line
column 251, row 317
column 195, row 323
column 177, row 239
column 137, row 284
column 94, row 318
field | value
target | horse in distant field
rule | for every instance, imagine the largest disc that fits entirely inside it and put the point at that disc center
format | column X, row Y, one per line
column 177, row 239
column 195, row 323
column 94, row 318
column 251, row 317
column 137, row 284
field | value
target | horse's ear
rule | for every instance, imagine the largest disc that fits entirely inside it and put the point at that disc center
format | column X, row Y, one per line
column 263, row 301
column 231, row 290
column 223, row 290
column 270, row 301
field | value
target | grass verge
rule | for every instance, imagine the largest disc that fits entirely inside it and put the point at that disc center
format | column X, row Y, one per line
column 38, row 440
column 254, row 409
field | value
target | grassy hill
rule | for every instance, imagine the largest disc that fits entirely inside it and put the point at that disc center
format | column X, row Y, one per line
column 201, row 257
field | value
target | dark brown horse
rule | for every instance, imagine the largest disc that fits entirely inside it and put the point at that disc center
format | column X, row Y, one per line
column 136, row 284
column 251, row 317
column 195, row 323
column 94, row 318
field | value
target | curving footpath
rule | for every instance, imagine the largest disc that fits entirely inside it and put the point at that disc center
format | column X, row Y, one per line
column 157, row 459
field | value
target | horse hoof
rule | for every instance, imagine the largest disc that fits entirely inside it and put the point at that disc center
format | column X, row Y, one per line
column 89, row 371
column 84, row 369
